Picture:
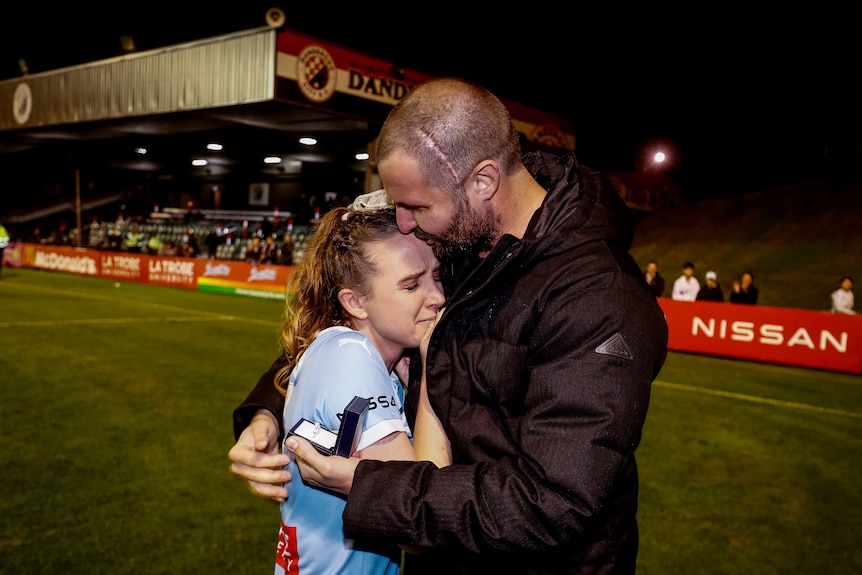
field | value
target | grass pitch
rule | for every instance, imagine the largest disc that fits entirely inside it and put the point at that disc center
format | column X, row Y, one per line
column 115, row 423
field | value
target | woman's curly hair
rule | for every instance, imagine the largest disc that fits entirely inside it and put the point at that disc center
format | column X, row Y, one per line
column 338, row 257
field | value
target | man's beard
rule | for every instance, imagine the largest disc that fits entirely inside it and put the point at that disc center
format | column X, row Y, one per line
column 468, row 233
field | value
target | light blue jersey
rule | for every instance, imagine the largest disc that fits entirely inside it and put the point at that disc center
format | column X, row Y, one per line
column 339, row 364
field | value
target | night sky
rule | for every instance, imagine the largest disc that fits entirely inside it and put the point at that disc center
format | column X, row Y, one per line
column 741, row 99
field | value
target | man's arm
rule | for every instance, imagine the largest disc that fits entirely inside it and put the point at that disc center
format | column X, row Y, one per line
column 263, row 396
column 257, row 427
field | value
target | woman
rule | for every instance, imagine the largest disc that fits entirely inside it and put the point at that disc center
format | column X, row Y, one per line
column 362, row 295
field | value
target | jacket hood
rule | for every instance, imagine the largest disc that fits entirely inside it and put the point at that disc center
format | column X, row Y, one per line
column 582, row 205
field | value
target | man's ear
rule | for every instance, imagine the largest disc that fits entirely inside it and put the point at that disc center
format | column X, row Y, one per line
column 484, row 181
column 352, row 304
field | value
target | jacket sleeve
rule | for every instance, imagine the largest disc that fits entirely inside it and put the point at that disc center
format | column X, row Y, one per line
column 565, row 471
column 263, row 396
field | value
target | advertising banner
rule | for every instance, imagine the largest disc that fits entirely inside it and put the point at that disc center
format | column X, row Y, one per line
column 234, row 277
column 352, row 84
column 804, row 338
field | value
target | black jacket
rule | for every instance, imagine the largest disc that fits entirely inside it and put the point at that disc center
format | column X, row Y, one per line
column 541, row 369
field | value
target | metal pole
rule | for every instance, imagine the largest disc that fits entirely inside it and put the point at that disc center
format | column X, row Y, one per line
column 78, row 206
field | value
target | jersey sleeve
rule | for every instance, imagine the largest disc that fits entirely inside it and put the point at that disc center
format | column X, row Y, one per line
column 346, row 364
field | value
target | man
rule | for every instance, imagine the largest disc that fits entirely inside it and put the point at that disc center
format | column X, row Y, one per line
column 686, row 286
column 712, row 290
column 654, row 279
column 539, row 369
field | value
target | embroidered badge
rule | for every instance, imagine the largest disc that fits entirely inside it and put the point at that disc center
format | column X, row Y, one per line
column 616, row 346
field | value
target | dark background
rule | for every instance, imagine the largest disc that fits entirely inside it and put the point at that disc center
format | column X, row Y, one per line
column 742, row 98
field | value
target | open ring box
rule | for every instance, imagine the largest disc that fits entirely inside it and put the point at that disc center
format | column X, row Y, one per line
column 342, row 443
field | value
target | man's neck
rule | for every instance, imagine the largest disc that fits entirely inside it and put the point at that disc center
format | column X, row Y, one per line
column 520, row 198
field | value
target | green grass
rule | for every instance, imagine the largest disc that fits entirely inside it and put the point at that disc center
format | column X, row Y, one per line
column 115, row 423
column 750, row 468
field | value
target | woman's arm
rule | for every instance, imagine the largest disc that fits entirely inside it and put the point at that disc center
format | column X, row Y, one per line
column 429, row 438
column 395, row 446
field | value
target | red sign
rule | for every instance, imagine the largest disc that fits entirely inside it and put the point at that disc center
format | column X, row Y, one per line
column 171, row 271
column 804, row 338
column 358, row 85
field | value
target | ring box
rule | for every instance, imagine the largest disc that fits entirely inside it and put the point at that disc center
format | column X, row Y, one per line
column 342, row 443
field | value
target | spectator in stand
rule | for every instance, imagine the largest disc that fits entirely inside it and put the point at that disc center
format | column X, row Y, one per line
column 686, row 286
column 189, row 247
column 62, row 237
column 842, row 298
column 154, row 243
column 712, row 290
column 654, row 279
column 254, row 251
column 286, row 251
column 744, row 290
column 270, row 251
column 4, row 241
column 168, row 249
column 213, row 240
column 191, row 214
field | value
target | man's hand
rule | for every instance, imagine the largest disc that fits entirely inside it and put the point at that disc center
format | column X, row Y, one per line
column 330, row 472
column 256, row 458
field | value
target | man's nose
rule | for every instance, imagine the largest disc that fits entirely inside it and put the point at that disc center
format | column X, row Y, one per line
column 404, row 219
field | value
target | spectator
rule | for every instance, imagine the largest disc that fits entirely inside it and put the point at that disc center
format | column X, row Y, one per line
column 168, row 248
column 189, row 247
column 286, row 251
column 744, row 290
column 654, row 279
column 4, row 241
column 154, row 243
column 686, row 286
column 270, row 251
column 134, row 239
column 712, row 290
column 842, row 298
column 213, row 240
column 191, row 214
column 254, row 251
